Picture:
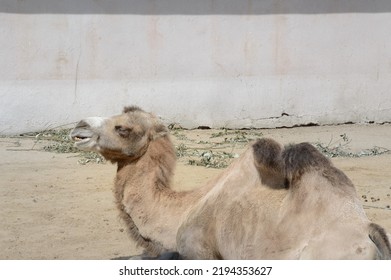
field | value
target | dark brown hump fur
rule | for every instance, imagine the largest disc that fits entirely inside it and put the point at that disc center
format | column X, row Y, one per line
column 267, row 158
column 128, row 109
column 301, row 158
column 267, row 153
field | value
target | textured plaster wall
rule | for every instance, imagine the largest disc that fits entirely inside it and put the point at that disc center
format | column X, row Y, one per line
column 211, row 63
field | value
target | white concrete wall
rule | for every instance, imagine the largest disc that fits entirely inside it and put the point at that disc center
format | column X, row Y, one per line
column 217, row 63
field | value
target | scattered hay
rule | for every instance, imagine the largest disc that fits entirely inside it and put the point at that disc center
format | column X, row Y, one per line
column 210, row 153
column 237, row 136
column 213, row 153
column 212, row 156
column 212, row 159
column 340, row 148
column 59, row 142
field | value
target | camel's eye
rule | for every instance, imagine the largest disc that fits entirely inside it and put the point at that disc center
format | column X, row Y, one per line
column 123, row 131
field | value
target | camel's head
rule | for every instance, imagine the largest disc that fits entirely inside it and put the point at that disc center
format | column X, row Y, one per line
column 125, row 136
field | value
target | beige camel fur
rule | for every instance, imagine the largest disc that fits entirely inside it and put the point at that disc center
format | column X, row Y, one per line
column 269, row 204
column 319, row 216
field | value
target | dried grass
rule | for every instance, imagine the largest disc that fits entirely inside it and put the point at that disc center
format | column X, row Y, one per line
column 217, row 152
column 60, row 142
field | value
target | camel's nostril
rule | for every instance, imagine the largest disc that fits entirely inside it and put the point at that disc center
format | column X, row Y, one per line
column 85, row 129
column 82, row 124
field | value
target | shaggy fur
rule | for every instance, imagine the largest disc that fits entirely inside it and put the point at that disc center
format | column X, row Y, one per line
column 302, row 158
column 129, row 109
column 268, row 160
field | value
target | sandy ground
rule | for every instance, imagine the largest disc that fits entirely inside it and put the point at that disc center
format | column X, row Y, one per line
column 54, row 208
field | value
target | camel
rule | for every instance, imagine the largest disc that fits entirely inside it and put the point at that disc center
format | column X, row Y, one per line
column 318, row 217
column 270, row 203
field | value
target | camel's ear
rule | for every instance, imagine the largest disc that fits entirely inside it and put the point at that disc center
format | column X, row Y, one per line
column 159, row 130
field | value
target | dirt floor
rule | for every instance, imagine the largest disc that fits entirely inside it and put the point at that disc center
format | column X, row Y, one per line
column 57, row 206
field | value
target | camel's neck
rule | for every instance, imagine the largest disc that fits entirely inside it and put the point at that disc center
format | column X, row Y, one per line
column 143, row 194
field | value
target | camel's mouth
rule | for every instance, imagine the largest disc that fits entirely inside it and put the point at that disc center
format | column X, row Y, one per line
column 85, row 133
column 81, row 137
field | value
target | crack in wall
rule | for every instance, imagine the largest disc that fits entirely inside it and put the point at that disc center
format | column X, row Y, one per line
column 76, row 76
column 76, row 79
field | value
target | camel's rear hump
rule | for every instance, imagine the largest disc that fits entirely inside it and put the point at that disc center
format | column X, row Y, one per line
column 304, row 157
